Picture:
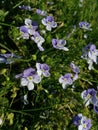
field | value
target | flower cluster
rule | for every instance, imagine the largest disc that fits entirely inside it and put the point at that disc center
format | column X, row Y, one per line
column 29, row 30
column 82, row 122
column 89, row 97
column 30, row 76
column 68, row 79
column 90, row 53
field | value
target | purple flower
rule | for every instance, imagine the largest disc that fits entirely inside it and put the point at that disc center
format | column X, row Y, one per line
column 85, row 124
column 85, row 25
column 23, row 7
column 75, row 69
column 93, row 53
column 31, row 26
column 49, row 23
column 59, row 44
column 90, row 53
column 66, row 80
column 96, row 105
column 77, row 119
column 38, row 39
column 89, row 96
column 43, row 69
column 28, row 29
column 28, row 78
column 41, row 12
column 96, row 108
column 8, row 58
column 82, row 122
column 23, row 32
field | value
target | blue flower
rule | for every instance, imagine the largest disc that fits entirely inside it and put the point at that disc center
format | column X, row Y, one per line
column 8, row 58
column 90, row 53
column 41, row 12
column 23, row 7
column 43, row 69
column 28, row 78
column 75, row 69
column 82, row 122
column 28, row 29
column 49, row 23
column 85, row 25
column 59, row 44
column 66, row 80
column 38, row 39
column 89, row 96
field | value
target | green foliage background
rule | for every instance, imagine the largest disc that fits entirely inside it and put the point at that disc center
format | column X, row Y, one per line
column 50, row 107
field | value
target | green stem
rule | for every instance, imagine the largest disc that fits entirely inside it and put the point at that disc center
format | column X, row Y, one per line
column 18, row 4
column 4, row 24
column 20, row 112
column 3, row 46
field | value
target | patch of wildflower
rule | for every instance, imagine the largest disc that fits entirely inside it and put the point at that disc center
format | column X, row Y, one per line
column 59, row 44
column 90, row 53
column 49, row 23
column 82, row 122
column 29, row 30
column 30, row 76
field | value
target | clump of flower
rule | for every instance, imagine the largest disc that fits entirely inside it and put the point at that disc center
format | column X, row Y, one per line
column 29, row 30
column 8, row 58
column 49, row 23
column 85, row 25
column 82, row 122
column 28, row 78
column 59, row 44
column 43, row 69
column 90, row 53
column 41, row 12
column 23, row 7
column 89, row 97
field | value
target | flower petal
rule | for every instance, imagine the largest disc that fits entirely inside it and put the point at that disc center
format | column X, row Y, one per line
column 36, row 78
column 30, row 86
column 24, row 82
